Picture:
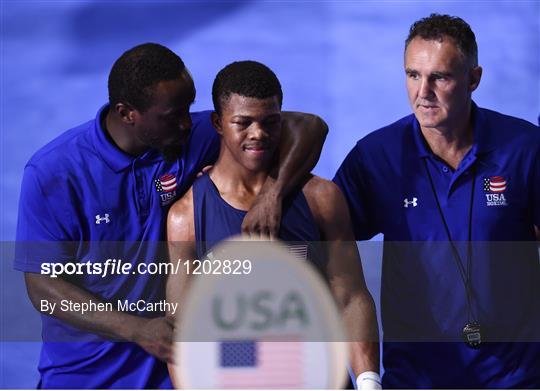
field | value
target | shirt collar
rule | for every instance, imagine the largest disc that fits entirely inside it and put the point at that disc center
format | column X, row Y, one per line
column 113, row 156
column 421, row 144
column 481, row 143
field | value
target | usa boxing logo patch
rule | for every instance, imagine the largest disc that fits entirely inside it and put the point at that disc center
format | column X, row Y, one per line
column 494, row 187
column 166, row 187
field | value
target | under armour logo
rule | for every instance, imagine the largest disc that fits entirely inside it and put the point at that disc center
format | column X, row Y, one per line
column 105, row 219
column 414, row 202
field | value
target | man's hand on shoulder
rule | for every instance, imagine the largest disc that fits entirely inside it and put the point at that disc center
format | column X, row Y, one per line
column 264, row 217
column 302, row 138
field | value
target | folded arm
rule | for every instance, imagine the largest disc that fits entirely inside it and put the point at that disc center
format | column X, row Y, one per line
column 152, row 334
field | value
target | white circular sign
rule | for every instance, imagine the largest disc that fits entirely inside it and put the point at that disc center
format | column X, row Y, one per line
column 275, row 327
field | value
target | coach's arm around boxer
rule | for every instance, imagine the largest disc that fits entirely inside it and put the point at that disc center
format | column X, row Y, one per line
column 153, row 334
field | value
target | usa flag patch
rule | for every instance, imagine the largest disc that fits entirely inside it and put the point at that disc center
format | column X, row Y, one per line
column 166, row 183
column 495, row 184
column 166, row 187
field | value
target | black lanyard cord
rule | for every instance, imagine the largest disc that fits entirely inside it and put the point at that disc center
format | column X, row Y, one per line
column 465, row 274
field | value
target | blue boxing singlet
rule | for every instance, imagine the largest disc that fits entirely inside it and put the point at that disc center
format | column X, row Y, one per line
column 216, row 220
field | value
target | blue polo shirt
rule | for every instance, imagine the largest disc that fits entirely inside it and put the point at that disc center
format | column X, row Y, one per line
column 83, row 199
column 386, row 180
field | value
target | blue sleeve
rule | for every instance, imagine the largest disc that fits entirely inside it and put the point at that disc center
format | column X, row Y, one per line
column 202, row 148
column 43, row 227
column 352, row 181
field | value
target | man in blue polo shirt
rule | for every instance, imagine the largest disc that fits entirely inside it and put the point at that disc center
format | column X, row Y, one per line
column 97, row 197
column 449, row 187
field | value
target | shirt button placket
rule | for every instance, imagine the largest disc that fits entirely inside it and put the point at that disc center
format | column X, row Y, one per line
column 142, row 194
column 139, row 184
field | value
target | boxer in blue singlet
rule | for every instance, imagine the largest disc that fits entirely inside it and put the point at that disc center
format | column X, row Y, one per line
column 247, row 100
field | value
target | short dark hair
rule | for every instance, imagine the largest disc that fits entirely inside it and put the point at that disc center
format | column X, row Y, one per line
column 436, row 26
column 246, row 78
column 138, row 70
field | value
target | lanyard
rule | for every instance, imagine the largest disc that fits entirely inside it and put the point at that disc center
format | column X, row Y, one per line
column 464, row 271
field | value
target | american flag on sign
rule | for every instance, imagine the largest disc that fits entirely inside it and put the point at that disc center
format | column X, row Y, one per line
column 298, row 250
column 260, row 364
column 166, row 183
column 494, row 184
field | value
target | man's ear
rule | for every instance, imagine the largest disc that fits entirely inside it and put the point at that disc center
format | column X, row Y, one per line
column 475, row 76
column 126, row 112
column 216, row 121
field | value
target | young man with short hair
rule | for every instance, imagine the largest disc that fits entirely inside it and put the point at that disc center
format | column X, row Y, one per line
column 247, row 100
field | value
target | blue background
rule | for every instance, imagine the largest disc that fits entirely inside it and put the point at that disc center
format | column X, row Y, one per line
column 339, row 59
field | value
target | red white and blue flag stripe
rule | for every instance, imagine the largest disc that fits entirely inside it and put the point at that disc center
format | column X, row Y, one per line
column 260, row 364
column 495, row 184
column 166, row 183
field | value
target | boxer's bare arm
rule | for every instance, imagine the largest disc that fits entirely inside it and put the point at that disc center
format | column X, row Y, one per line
column 181, row 243
column 344, row 272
